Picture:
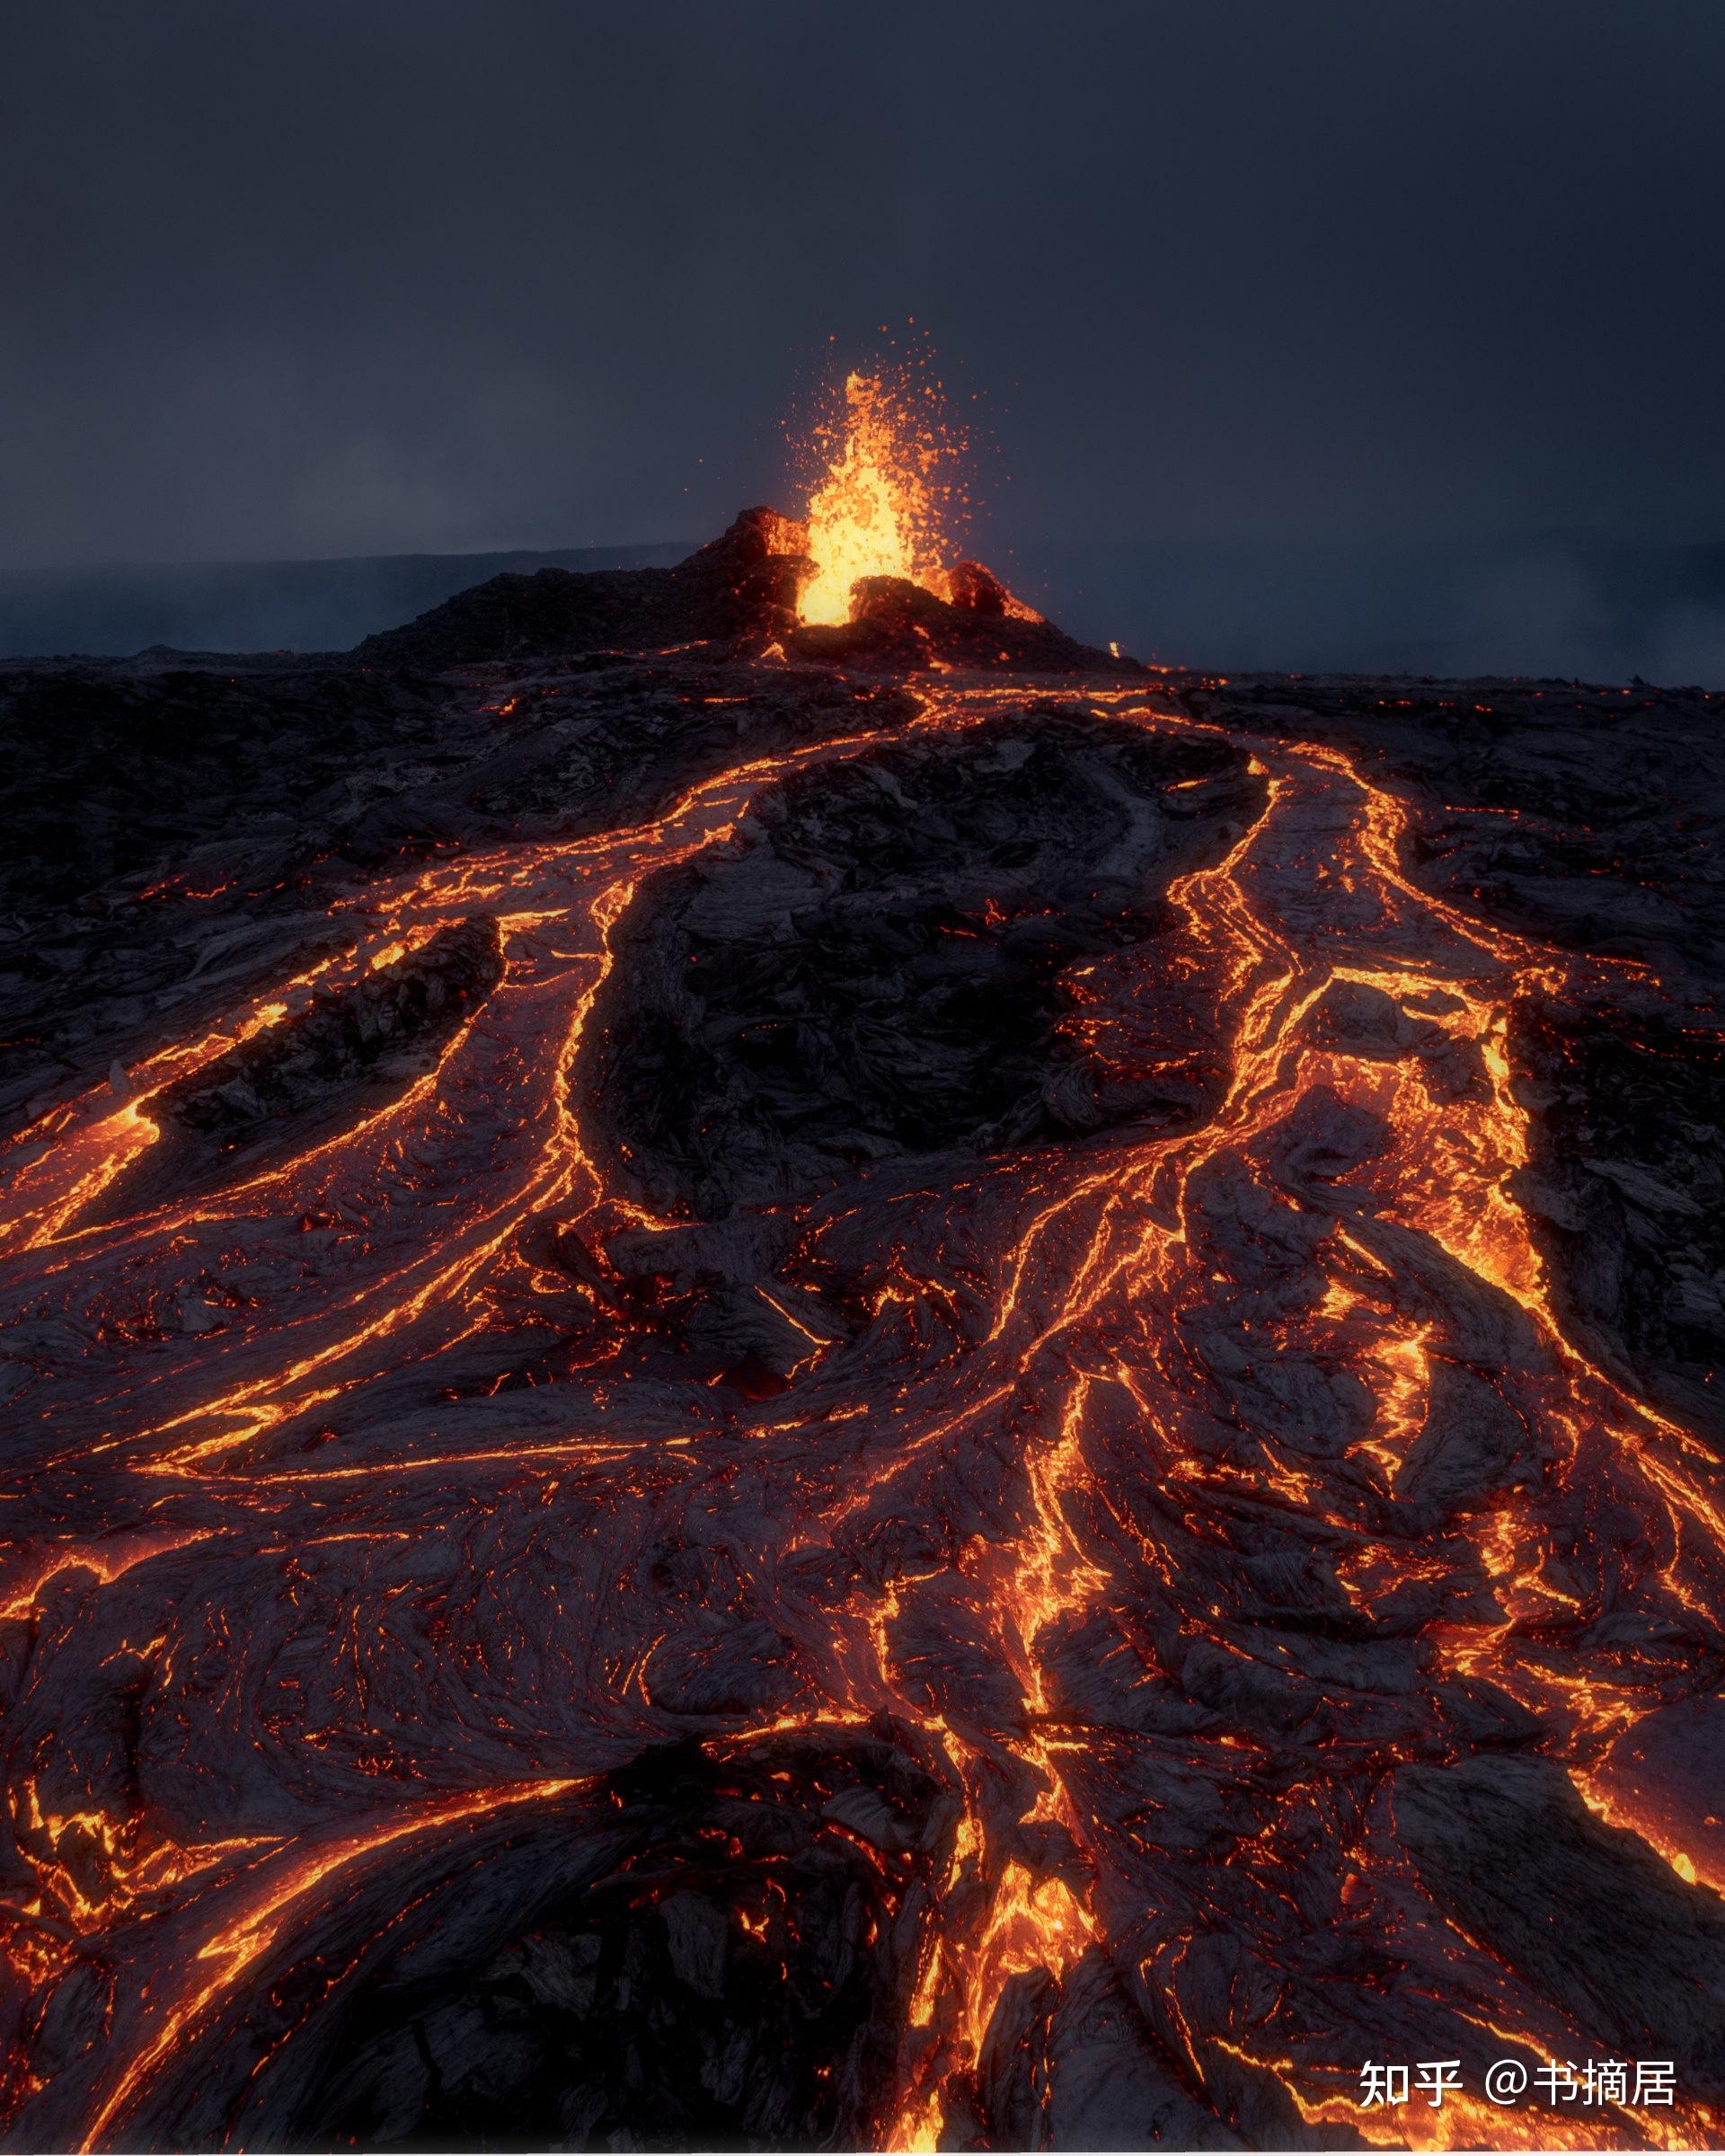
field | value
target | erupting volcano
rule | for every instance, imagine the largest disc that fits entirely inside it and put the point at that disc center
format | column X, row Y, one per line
column 786, row 1367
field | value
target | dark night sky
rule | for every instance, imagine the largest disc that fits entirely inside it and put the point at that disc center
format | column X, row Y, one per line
column 346, row 276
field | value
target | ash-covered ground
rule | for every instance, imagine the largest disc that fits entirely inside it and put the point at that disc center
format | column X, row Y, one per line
column 785, row 1388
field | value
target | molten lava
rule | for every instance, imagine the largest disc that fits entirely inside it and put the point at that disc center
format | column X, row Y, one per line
column 1108, row 1486
column 881, row 509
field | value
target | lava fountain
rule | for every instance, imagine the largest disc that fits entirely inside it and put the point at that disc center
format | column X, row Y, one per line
column 886, row 501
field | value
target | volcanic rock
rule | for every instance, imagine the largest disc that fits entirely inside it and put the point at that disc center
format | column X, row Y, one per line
column 348, row 1054
column 874, row 968
column 740, row 591
column 758, row 1402
column 1634, row 1954
column 899, row 627
column 740, row 585
column 691, row 1956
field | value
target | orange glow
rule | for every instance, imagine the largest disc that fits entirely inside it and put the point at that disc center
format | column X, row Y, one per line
column 1070, row 1364
column 880, row 508
column 251, row 1930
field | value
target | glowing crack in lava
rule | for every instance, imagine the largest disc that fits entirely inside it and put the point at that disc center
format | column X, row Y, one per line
column 587, row 1565
column 882, row 506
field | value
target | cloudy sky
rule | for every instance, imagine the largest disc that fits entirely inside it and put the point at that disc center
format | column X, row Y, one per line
column 315, row 277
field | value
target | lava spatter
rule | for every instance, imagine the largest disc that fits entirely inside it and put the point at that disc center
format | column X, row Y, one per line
column 881, row 508
column 1061, row 1583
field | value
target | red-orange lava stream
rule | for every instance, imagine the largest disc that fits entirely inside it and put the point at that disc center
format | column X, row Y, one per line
column 1103, row 1259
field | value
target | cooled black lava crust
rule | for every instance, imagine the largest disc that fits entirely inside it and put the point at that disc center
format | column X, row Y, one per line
column 875, row 965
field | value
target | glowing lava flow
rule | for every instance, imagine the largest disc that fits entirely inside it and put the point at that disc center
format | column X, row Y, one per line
column 352, row 1628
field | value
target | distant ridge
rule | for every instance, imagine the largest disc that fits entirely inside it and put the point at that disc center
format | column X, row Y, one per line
column 1552, row 604
column 115, row 610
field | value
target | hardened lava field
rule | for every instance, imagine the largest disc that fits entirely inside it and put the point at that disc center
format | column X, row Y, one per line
column 784, row 1385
